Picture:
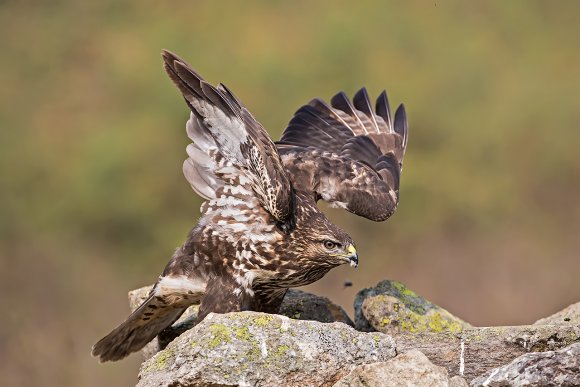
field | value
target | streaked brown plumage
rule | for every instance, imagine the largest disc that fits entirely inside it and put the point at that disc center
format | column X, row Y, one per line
column 260, row 231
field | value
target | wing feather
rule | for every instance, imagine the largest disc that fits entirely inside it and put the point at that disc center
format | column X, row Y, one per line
column 341, row 102
column 312, row 127
column 362, row 102
column 384, row 110
column 401, row 125
column 347, row 153
column 222, row 128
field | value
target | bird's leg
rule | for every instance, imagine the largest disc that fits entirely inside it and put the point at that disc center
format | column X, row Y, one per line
column 222, row 295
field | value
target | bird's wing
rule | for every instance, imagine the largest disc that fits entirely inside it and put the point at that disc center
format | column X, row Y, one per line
column 230, row 148
column 348, row 153
column 168, row 299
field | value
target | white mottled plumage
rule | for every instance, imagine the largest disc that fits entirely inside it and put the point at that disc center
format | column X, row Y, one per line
column 179, row 284
column 260, row 231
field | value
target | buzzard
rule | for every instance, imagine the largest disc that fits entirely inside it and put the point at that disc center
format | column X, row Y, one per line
column 260, row 230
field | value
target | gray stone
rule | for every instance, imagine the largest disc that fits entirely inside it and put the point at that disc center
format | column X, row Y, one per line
column 249, row 348
column 567, row 316
column 458, row 381
column 447, row 341
column 392, row 307
column 552, row 368
column 297, row 305
column 411, row 368
column 301, row 305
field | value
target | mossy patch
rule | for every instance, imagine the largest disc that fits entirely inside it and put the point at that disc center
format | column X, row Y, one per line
column 254, row 352
column 263, row 321
column 434, row 321
column 392, row 304
column 281, row 350
column 431, row 322
column 243, row 333
column 220, row 334
column 160, row 361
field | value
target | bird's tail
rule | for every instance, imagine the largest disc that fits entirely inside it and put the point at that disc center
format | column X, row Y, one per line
column 142, row 326
column 166, row 302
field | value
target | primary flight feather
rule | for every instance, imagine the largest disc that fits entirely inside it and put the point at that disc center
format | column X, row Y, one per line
column 260, row 230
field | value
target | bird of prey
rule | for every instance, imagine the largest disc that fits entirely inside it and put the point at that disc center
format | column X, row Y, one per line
column 260, row 230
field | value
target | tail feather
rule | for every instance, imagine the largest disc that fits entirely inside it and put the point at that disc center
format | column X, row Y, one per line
column 169, row 298
column 142, row 326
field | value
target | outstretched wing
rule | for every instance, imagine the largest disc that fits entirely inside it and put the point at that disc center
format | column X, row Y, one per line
column 230, row 148
column 348, row 153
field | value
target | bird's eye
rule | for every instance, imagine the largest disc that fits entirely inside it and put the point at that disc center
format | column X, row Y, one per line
column 330, row 245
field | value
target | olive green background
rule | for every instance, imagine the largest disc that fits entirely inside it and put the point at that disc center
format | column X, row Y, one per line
column 93, row 202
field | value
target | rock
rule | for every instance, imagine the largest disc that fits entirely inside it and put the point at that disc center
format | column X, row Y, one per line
column 297, row 305
column 411, row 368
column 301, row 305
column 437, row 348
column 552, row 368
column 249, row 348
column 567, row 316
column 393, row 307
column 447, row 341
column 457, row 381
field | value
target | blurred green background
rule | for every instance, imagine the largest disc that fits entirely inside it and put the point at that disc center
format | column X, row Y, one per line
column 93, row 202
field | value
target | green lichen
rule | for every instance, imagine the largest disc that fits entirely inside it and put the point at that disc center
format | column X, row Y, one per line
column 220, row 334
column 193, row 343
column 376, row 339
column 407, row 297
column 401, row 307
column 437, row 323
column 281, row 350
column 254, row 352
column 296, row 316
column 278, row 326
column 243, row 333
column 263, row 321
column 160, row 361
column 403, row 289
column 434, row 322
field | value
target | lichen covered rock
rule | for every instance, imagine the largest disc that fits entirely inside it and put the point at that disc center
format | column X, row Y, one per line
column 552, row 368
column 260, row 349
column 446, row 340
column 297, row 305
column 567, row 316
column 411, row 368
column 250, row 348
column 391, row 307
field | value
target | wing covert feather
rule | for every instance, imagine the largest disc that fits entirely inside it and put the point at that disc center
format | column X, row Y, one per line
column 347, row 154
column 226, row 136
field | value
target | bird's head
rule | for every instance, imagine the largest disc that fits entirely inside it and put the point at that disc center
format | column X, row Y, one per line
column 335, row 249
column 323, row 243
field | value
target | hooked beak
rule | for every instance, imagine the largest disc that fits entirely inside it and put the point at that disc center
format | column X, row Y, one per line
column 352, row 256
